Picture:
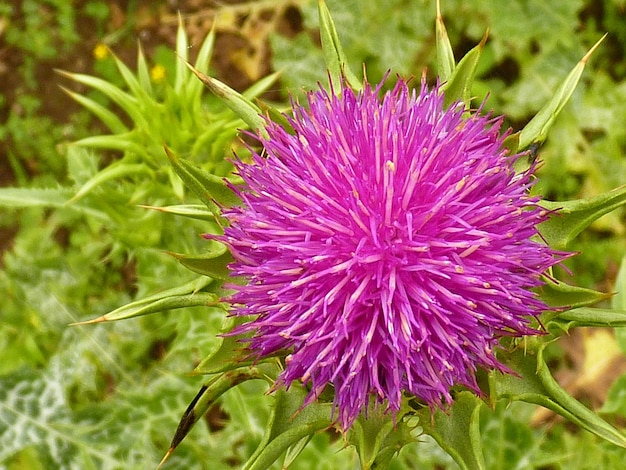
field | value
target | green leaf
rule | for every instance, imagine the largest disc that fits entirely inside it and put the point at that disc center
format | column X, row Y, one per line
column 56, row 197
column 509, row 440
column 192, row 294
column 239, row 104
column 192, row 182
column 143, row 73
column 216, row 137
column 368, row 434
column 33, row 411
column 126, row 142
column 619, row 302
column 561, row 295
column 580, row 414
column 205, row 185
column 162, row 305
column 126, row 101
column 207, row 396
column 113, row 171
column 143, row 98
column 457, row 430
column 194, row 87
column 295, row 450
column 459, row 87
column 230, row 353
column 183, row 54
column 193, row 211
column 539, row 126
column 40, row 413
column 534, row 384
column 569, row 218
column 445, row 56
column 587, row 316
column 289, row 424
column 109, row 118
column 213, row 263
column 334, row 56
column 377, row 437
column 34, row 197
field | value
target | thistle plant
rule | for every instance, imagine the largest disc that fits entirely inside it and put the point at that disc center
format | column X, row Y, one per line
column 386, row 254
column 386, row 266
column 378, row 257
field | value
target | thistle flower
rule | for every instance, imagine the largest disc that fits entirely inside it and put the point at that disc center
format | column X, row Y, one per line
column 387, row 244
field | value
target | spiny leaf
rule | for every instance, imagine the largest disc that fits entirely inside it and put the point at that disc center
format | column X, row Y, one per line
column 619, row 302
column 114, row 171
column 289, row 423
column 533, row 383
column 378, row 438
column 193, row 211
column 458, row 430
column 561, row 295
column 214, row 186
column 126, row 142
column 230, row 353
column 239, row 104
column 217, row 136
column 54, row 197
column 191, row 294
column 445, row 56
column 295, row 450
column 213, row 263
column 162, row 305
column 34, row 197
column 109, row 118
column 587, row 316
column 143, row 98
column 34, row 413
column 572, row 217
column 182, row 52
column 581, row 414
column 143, row 74
column 126, row 101
column 537, row 129
column 194, row 87
column 335, row 59
column 207, row 187
column 459, row 87
column 207, row 395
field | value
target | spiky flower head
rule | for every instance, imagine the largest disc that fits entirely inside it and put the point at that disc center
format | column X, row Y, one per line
column 387, row 243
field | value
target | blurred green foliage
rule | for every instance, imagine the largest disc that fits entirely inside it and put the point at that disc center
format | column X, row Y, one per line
column 111, row 395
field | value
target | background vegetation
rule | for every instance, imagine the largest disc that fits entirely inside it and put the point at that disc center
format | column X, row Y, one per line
column 110, row 395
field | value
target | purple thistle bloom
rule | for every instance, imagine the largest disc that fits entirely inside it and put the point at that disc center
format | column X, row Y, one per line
column 387, row 244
